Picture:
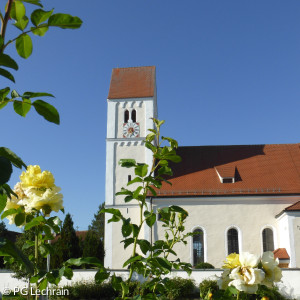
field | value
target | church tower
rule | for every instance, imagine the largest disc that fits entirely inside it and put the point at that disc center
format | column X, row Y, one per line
column 131, row 104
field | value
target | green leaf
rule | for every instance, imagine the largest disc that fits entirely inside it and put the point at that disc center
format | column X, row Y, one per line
column 22, row 107
column 6, row 190
column 152, row 190
column 173, row 143
column 128, row 199
column 116, row 282
column 135, row 230
column 164, row 263
column 7, row 61
column 19, row 219
column 34, row 279
column 1, row 41
column 150, row 220
column 9, row 212
column 14, row 94
column 46, row 110
column 39, row 16
column 64, row 21
column 136, row 179
column 3, row 103
column 124, row 192
column 125, row 289
column 43, row 284
column 86, row 260
column 178, row 209
column 100, row 276
column 128, row 242
column 145, row 246
column 141, row 170
column 7, row 248
column 3, row 200
column 7, row 75
column 17, row 11
column 22, row 23
column 136, row 193
column 24, row 45
column 113, row 211
column 5, row 170
column 131, row 260
column 127, row 163
column 46, row 249
column 35, row 222
column 40, row 31
column 34, row 2
column 126, row 228
column 35, row 95
column 164, row 170
column 68, row 273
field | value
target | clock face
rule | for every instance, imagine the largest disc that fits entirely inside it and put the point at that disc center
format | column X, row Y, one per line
column 131, row 130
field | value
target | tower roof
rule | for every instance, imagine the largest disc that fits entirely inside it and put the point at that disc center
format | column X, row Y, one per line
column 136, row 82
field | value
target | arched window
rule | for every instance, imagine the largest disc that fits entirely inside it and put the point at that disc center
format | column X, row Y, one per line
column 126, row 116
column 268, row 239
column 198, row 247
column 232, row 241
column 133, row 115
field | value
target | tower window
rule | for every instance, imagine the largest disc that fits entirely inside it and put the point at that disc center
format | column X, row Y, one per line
column 133, row 115
column 129, row 178
column 198, row 247
column 126, row 116
column 232, row 241
column 268, row 239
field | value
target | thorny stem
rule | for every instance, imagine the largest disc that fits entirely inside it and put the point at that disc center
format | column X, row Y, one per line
column 5, row 21
column 36, row 244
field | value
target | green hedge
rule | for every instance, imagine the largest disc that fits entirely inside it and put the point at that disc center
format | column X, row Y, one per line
column 175, row 289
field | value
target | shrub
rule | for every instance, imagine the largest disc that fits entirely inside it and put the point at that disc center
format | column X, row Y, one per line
column 89, row 290
column 204, row 265
column 208, row 286
column 179, row 288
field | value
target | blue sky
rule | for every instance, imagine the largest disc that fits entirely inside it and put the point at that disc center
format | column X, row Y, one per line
column 227, row 73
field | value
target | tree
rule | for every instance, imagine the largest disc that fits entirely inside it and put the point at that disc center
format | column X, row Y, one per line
column 98, row 222
column 3, row 234
column 93, row 245
column 67, row 245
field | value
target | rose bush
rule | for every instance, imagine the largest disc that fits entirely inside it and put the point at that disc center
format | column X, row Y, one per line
column 246, row 271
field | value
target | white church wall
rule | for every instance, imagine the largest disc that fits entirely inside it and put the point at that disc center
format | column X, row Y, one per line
column 249, row 214
column 119, row 254
column 134, row 150
column 297, row 240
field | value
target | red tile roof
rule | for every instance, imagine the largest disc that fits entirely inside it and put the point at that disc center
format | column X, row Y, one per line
column 294, row 207
column 257, row 169
column 80, row 234
column 281, row 253
column 136, row 82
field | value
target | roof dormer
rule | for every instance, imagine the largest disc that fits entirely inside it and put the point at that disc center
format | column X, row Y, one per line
column 226, row 173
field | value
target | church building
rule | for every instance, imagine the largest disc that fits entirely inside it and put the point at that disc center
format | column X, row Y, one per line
column 240, row 198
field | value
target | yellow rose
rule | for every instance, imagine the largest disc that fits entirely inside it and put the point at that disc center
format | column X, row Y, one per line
column 14, row 202
column 232, row 261
column 270, row 266
column 247, row 276
column 44, row 199
column 35, row 178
